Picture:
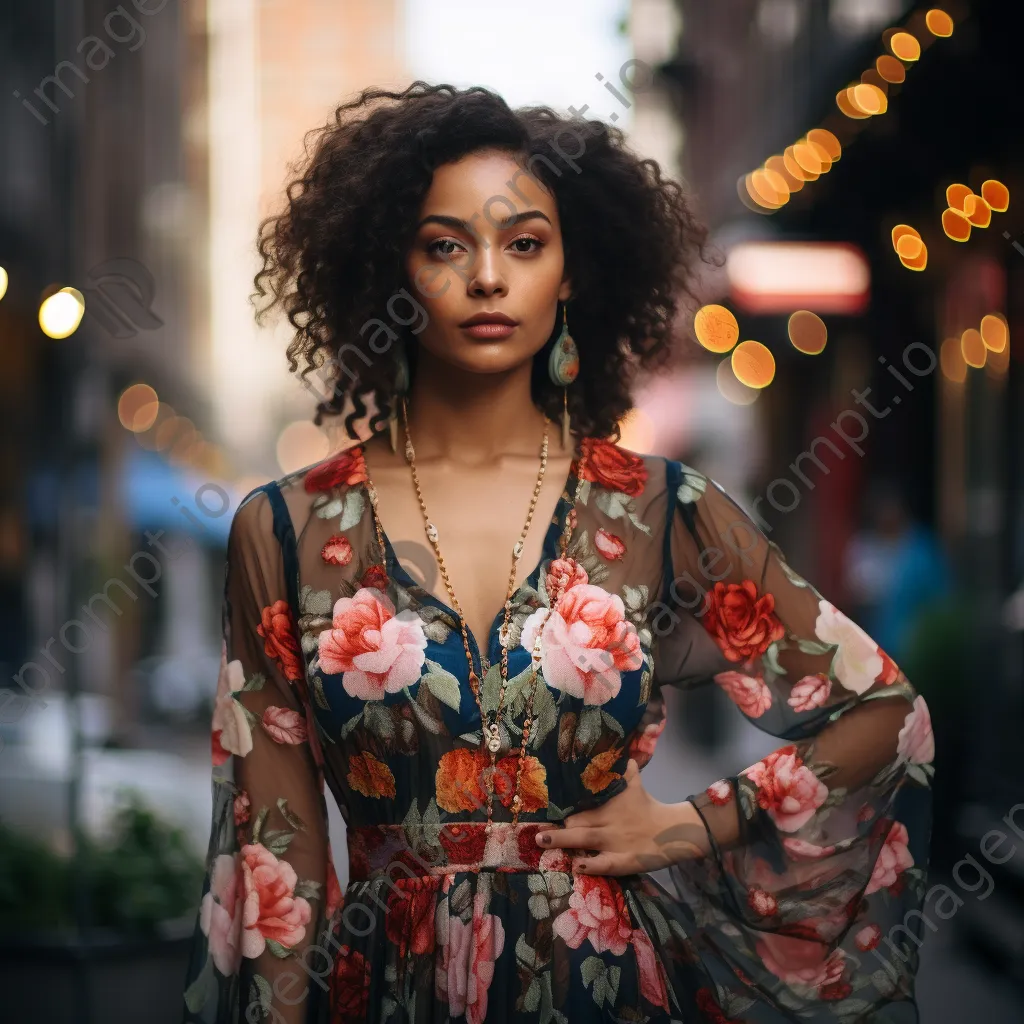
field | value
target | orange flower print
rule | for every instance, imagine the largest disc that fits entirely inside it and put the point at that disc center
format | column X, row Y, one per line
column 598, row 775
column 458, row 781
column 609, row 546
column 743, row 624
column 347, row 468
column 370, row 777
column 533, row 783
column 613, row 468
column 337, row 550
column 284, row 725
column 278, row 631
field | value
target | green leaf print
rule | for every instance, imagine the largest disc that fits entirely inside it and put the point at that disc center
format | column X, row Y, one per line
column 202, row 989
column 352, row 509
column 442, row 684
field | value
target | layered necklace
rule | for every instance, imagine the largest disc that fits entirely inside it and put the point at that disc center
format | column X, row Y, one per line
column 490, row 723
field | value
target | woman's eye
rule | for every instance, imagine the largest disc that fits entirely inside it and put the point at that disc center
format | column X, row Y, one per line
column 436, row 247
column 528, row 241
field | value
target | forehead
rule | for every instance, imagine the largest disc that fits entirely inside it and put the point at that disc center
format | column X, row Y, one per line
column 492, row 183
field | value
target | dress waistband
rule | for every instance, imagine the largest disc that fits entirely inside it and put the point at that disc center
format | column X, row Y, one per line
column 430, row 850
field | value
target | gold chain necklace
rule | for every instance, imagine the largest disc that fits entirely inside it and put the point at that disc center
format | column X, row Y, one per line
column 490, row 728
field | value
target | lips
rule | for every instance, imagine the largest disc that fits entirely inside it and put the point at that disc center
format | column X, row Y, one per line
column 478, row 319
column 489, row 325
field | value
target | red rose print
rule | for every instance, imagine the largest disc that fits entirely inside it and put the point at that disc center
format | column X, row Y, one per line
column 410, row 915
column 609, row 545
column 463, row 844
column 376, row 576
column 612, row 467
column 719, row 793
column 787, row 789
column 337, row 550
column 350, row 987
column 278, row 631
column 762, row 903
column 708, row 1006
column 743, row 624
column 347, row 468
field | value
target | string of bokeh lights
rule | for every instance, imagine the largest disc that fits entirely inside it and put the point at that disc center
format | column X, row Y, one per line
column 751, row 366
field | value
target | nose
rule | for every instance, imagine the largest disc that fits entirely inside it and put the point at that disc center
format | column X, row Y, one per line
column 488, row 277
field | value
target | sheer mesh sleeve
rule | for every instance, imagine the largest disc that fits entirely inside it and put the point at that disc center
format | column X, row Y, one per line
column 268, row 860
column 811, row 896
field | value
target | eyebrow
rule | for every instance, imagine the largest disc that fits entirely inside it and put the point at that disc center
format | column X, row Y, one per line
column 461, row 225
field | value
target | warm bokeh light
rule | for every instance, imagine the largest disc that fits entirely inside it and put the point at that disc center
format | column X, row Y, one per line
column 977, row 211
column 716, row 328
column 891, row 69
column 730, row 388
column 760, row 201
column 899, row 231
column 828, row 142
column 998, row 362
column 300, row 444
column 778, row 165
column 638, row 433
column 905, row 46
column 956, row 195
column 790, row 162
column 810, row 158
column 951, row 359
column 803, row 165
column 995, row 332
column 778, row 277
column 807, row 332
column 148, row 438
column 956, row 225
column 869, row 98
column 769, row 188
column 996, row 194
column 939, row 23
column 918, row 262
column 753, row 364
column 61, row 313
column 3, row 282
column 172, row 431
column 845, row 104
column 973, row 348
column 137, row 407
column 910, row 246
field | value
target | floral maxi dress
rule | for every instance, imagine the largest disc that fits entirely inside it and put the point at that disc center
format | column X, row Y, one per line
column 341, row 670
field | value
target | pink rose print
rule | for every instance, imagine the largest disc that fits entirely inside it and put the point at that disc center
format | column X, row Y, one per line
column 800, row 961
column 555, row 860
column 916, row 742
column 588, row 643
column 271, row 910
column 608, row 545
column 748, row 693
column 762, row 902
column 810, row 692
column 800, row 849
column 642, row 746
column 470, row 953
column 858, row 662
column 562, row 574
column 284, row 725
column 231, row 733
column 787, row 789
column 378, row 651
column 241, row 808
column 719, row 793
column 868, row 937
column 220, row 916
column 597, row 913
column 650, row 970
column 337, row 550
column 893, row 859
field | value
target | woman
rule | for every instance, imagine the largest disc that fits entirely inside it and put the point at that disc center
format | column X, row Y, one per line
column 483, row 733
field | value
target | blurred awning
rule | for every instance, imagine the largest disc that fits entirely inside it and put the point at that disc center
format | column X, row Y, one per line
column 154, row 496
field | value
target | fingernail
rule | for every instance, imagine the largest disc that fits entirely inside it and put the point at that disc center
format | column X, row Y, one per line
column 543, row 838
column 581, row 867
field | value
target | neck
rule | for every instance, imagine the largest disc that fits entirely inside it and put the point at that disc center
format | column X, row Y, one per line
column 473, row 416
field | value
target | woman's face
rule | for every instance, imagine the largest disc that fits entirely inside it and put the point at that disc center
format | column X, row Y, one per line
column 483, row 246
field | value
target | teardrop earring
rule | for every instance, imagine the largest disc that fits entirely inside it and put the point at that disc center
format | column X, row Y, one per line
column 400, row 392
column 563, row 368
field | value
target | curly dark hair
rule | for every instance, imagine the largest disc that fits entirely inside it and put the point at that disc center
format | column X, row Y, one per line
column 334, row 257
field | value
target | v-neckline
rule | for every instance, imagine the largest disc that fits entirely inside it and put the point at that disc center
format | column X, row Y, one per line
column 549, row 549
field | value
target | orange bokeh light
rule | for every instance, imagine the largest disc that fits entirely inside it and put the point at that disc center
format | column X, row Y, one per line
column 807, row 332
column 956, row 196
column 956, row 225
column 716, row 328
column 891, row 69
column 753, row 364
column 778, row 165
column 899, row 231
column 977, row 211
column 846, row 105
column 905, row 46
column 996, row 194
column 973, row 348
column 939, row 23
column 828, row 142
column 918, row 262
column 910, row 246
column 994, row 332
column 951, row 359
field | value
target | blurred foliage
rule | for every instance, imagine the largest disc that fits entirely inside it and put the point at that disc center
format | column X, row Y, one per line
column 937, row 653
column 144, row 873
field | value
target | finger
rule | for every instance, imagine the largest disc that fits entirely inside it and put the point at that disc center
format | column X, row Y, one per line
column 572, row 838
column 602, row 864
column 587, row 818
column 632, row 771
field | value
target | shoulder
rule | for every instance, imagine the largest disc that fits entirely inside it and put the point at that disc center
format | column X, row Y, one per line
column 636, row 473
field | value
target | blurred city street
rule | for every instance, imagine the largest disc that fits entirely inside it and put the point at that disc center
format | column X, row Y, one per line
column 859, row 165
